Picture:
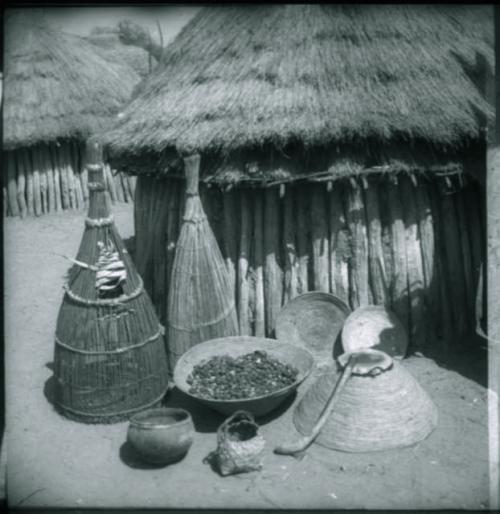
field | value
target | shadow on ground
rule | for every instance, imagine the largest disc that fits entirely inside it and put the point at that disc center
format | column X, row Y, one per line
column 207, row 420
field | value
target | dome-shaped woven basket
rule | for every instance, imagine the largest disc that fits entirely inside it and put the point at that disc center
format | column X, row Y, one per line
column 387, row 411
column 376, row 327
column 312, row 320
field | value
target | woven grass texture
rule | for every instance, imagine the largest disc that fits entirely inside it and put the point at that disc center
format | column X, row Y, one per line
column 57, row 85
column 313, row 320
column 313, row 73
column 201, row 303
column 390, row 410
column 110, row 359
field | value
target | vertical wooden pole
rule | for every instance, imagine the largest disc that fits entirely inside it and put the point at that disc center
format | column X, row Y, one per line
column 259, row 319
column 43, row 178
column 12, row 184
column 28, row 168
column 320, row 243
column 110, row 183
column 50, row 179
column 174, row 195
column 243, row 259
column 123, row 179
column 118, row 186
column 141, row 229
column 339, row 245
column 56, row 177
column 356, row 220
column 273, row 278
column 399, row 283
column 58, row 158
column 419, row 317
column 301, row 201
column 454, row 266
column 132, row 182
column 462, row 213
column 441, row 272
column 426, row 224
column 5, row 202
column 376, row 265
column 21, row 183
column 70, row 175
column 76, row 164
column 36, row 181
column 291, row 262
column 230, row 207
column 160, row 223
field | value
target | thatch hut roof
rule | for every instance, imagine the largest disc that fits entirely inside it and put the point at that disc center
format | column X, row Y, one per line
column 56, row 85
column 248, row 76
column 111, row 48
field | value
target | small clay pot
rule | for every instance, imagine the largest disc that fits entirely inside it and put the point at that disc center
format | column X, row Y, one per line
column 161, row 436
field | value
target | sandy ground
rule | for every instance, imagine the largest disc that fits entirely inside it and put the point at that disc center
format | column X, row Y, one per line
column 55, row 462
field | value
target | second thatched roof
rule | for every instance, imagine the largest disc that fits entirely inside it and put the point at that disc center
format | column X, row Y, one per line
column 56, row 85
column 247, row 76
column 111, row 48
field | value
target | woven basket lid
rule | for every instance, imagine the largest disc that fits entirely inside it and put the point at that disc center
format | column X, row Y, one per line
column 390, row 410
column 313, row 320
column 375, row 326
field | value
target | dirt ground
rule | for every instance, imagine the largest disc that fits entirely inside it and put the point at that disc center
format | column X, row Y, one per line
column 55, row 462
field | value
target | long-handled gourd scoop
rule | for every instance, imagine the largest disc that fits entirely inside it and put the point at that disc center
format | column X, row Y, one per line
column 365, row 362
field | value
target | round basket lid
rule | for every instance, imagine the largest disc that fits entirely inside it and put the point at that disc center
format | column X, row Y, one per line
column 375, row 326
column 390, row 410
column 312, row 320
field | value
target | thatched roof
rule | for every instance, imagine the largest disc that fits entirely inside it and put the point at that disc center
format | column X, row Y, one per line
column 112, row 49
column 56, row 85
column 247, row 76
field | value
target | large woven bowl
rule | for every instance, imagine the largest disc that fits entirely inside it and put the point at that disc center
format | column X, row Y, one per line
column 376, row 327
column 313, row 320
column 235, row 347
column 390, row 410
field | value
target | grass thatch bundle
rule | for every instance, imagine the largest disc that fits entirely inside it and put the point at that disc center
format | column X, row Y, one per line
column 110, row 358
column 247, row 75
column 201, row 302
column 112, row 49
column 56, row 85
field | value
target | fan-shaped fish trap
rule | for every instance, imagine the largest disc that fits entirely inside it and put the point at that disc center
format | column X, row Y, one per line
column 389, row 410
column 110, row 358
column 201, row 302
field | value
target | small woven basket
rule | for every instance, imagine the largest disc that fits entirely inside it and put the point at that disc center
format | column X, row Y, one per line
column 386, row 411
column 313, row 320
column 376, row 327
column 240, row 446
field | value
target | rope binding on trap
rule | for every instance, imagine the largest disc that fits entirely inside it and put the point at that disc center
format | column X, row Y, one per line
column 150, row 339
column 99, row 222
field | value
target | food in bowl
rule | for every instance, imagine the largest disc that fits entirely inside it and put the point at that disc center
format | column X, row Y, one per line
column 254, row 374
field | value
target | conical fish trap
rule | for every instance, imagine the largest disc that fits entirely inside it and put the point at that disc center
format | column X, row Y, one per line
column 110, row 358
column 373, row 413
column 201, row 302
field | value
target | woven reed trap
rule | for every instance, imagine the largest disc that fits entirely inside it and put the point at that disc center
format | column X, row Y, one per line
column 389, row 410
column 201, row 303
column 109, row 358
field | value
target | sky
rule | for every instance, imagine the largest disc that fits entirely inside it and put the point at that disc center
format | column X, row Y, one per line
column 80, row 20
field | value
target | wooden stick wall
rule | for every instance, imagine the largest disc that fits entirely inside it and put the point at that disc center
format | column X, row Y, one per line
column 51, row 178
column 409, row 245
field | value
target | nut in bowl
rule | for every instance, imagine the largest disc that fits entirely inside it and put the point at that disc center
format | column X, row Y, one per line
column 161, row 436
column 242, row 373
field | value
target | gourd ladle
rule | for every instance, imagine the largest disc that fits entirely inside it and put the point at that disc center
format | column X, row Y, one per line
column 362, row 363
